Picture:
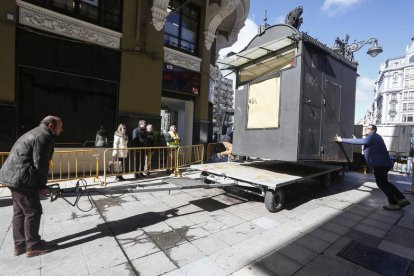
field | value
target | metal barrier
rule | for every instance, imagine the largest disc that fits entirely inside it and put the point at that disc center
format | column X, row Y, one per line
column 84, row 163
column 150, row 159
column 74, row 164
column 188, row 155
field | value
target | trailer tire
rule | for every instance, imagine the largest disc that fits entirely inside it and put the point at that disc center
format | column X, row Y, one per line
column 274, row 200
column 326, row 181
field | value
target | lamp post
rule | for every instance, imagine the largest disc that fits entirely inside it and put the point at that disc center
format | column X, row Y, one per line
column 343, row 48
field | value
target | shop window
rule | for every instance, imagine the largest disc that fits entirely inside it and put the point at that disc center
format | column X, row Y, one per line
column 181, row 80
column 181, row 29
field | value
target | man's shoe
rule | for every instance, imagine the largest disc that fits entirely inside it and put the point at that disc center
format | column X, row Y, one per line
column 403, row 202
column 392, row 207
column 41, row 250
column 120, row 178
column 19, row 250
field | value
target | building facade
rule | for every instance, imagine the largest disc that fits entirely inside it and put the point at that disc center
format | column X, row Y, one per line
column 105, row 62
column 223, row 106
column 394, row 91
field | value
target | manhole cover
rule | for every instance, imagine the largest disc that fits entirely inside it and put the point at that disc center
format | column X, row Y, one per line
column 376, row 259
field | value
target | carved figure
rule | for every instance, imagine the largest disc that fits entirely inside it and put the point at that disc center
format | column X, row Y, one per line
column 293, row 18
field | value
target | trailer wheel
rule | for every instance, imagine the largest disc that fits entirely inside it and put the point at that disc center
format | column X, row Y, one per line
column 326, row 181
column 274, row 200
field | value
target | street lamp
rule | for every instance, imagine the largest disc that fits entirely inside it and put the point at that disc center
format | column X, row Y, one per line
column 341, row 47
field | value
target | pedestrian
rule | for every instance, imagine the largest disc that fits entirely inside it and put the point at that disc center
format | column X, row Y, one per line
column 173, row 141
column 120, row 152
column 139, row 140
column 101, row 139
column 148, row 156
column 228, row 144
column 377, row 156
column 25, row 173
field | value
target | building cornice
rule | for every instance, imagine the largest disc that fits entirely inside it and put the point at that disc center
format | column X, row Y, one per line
column 182, row 59
column 47, row 20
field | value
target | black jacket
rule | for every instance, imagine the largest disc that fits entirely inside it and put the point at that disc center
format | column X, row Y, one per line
column 27, row 166
column 139, row 137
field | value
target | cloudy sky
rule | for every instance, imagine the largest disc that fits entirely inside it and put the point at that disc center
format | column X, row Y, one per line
column 389, row 21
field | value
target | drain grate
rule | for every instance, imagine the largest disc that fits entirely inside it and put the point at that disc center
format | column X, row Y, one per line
column 376, row 259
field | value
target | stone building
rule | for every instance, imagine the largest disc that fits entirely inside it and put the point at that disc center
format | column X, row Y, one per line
column 394, row 91
column 105, row 62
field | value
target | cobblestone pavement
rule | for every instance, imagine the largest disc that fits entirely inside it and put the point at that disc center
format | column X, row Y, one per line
column 213, row 232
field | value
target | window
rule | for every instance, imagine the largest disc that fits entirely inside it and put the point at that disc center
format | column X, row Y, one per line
column 404, row 106
column 410, row 106
column 106, row 13
column 409, row 83
column 407, row 118
column 412, row 59
column 392, row 118
column 181, row 28
column 409, row 72
column 395, row 76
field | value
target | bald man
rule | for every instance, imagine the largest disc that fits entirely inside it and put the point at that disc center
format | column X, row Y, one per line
column 25, row 172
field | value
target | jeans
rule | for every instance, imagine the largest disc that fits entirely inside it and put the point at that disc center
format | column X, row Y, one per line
column 27, row 212
column 392, row 193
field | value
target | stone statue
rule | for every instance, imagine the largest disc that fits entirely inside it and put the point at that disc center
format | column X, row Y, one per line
column 293, row 18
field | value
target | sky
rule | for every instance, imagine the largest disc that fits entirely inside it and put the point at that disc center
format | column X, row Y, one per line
column 391, row 22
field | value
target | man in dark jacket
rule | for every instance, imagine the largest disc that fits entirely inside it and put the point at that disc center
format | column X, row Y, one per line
column 25, row 172
column 139, row 139
column 377, row 156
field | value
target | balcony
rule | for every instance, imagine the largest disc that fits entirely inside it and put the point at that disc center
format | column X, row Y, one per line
column 393, row 100
column 392, row 112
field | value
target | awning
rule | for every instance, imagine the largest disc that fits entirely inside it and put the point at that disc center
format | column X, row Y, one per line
column 248, row 56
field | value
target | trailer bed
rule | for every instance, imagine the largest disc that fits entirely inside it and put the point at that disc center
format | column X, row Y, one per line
column 272, row 174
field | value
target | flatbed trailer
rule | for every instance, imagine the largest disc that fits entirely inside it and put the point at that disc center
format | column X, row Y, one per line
column 267, row 178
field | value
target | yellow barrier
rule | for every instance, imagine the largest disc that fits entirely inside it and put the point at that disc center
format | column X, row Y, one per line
column 188, row 155
column 150, row 159
column 138, row 160
column 74, row 164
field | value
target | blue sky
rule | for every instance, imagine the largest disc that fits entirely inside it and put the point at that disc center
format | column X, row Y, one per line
column 389, row 21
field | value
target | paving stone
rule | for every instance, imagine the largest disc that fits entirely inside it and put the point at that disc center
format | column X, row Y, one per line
column 406, row 251
column 202, row 267
column 280, row 264
column 137, row 244
column 193, row 232
column 407, row 222
column 323, row 265
column 254, row 269
column 210, row 244
column 362, row 271
column 324, row 235
column 346, row 222
column 265, row 223
column 238, row 233
column 384, row 218
column 370, row 230
column 167, row 240
column 313, row 243
column 363, row 237
column 298, row 253
column 377, row 224
column 335, row 228
column 184, row 254
column 230, row 260
column 119, row 270
column 213, row 226
column 154, row 264
column 231, row 220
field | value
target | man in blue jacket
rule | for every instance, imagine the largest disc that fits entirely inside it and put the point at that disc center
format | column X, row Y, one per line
column 25, row 172
column 377, row 156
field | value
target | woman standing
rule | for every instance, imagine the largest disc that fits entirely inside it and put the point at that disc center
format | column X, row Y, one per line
column 120, row 142
column 101, row 139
